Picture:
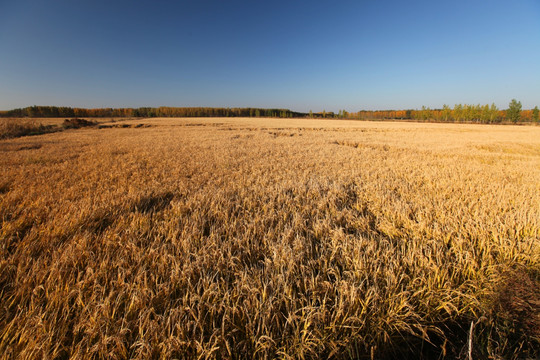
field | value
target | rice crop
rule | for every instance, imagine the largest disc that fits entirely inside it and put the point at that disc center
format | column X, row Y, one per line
column 265, row 238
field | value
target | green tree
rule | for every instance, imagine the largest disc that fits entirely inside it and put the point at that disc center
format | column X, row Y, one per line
column 484, row 116
column 425, row 113
column 446, row 112
column 535, row 114
column 514, row 111
column 408, row 114
column 493, row 113
column 458, row 112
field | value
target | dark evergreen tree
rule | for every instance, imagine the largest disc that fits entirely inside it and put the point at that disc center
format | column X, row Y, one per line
column 514, row 111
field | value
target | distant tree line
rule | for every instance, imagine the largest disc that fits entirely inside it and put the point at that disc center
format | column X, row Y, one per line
column 486, row 114
column 163, row 111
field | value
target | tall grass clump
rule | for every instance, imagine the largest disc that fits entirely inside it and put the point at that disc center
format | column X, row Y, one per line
column 12, row 128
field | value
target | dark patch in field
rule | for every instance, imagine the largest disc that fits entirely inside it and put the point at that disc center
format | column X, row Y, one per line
column 17, row 234
column 118, row 152
column 5, row 187
column 152, row 203
column 358, row 145
column 29, row 147
column 98, row 222
column 203, row 124
column 516, row 308
column 242, row 136
column 77, row 123
column 124, row 126
column 283, row 134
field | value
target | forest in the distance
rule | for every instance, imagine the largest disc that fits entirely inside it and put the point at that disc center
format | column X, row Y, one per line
column 487, row 114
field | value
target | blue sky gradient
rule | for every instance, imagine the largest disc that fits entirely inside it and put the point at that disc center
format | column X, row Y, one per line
column 287, row 54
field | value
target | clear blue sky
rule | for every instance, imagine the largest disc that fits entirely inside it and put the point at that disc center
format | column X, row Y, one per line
column 300, row 55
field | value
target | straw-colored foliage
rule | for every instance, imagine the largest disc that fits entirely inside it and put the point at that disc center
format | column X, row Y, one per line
column 266, row 238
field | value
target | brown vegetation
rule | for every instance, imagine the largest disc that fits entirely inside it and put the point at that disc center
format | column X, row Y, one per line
column 18, row 127
column 77, row 123
column 255, row 238
column 12, row 128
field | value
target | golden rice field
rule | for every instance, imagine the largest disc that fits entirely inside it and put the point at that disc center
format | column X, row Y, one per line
column 227, row 238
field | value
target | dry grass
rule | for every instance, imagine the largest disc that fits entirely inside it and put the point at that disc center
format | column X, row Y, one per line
column 57, row 121
column 19, row 127
column 12, row 128
column 261, row 238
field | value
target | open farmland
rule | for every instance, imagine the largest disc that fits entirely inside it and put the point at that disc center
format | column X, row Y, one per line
column 265, row 238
